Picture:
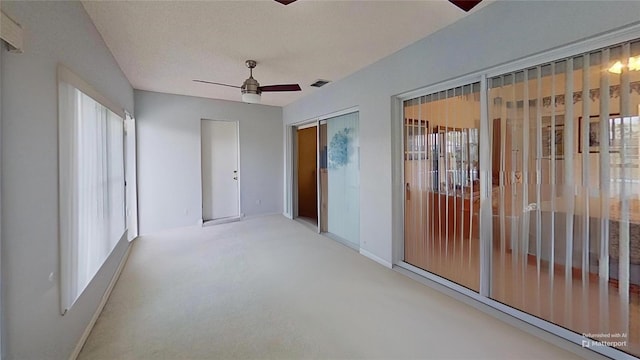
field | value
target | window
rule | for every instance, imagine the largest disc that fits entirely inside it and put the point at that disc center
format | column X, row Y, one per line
column 92, row 187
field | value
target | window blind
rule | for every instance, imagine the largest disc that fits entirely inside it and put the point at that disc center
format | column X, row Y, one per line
column 566, row 199
column 92, row 188
column 441, row 175
column 558, row 193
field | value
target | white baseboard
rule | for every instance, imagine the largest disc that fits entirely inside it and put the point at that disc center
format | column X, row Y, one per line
column 103, row 302
column 375, row 258
column 262, row 215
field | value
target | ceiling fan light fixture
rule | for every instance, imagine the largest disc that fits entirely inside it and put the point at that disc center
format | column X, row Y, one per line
column 250, row 98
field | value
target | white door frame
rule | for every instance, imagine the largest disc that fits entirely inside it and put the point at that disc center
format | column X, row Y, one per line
column 239, row 175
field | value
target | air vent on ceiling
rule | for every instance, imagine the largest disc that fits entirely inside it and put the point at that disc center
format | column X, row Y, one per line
column 320, row 83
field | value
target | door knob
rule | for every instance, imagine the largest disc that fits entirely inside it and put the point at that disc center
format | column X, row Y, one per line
column 235, row 178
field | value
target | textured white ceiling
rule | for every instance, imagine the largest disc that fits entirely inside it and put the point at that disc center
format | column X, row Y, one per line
column 163, row 46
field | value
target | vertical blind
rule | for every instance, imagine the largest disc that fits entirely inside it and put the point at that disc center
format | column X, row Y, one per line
column 566, row 193
column 563, row 208
column 92, row 188
column 441, row 173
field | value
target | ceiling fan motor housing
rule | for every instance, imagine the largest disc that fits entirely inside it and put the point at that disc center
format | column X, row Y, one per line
column 251, row 86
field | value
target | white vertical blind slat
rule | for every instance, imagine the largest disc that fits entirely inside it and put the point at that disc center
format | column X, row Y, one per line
column 569, row 188
column 538, row 174
column 486, row 221
column 584, row 142
column 502, row 183
column 605, row 173
column 552, row 185
column 586, row 192
column 526, row 213
column 605, row 184
column 625, row 115
column 623, row 251
column 539, row 150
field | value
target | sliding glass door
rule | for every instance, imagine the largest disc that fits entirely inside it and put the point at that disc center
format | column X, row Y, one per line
column 339, row 146
column 441, row 173
column 566, row 193
column 560, row 204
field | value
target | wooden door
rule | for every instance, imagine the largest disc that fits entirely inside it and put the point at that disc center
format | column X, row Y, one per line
column 307, row 179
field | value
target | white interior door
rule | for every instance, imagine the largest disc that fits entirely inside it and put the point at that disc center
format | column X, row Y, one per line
column 131, row 177
column 220, row 176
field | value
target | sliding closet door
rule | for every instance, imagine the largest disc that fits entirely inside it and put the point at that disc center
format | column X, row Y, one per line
column 566, row 193
column 340, row 138
column 442, row 189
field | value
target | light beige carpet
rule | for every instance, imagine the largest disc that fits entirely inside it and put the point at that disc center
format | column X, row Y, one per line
column 270, row 287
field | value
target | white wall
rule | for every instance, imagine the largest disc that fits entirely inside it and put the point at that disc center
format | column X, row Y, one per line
column 55, row 32
column 169, row 164
column 501, row 32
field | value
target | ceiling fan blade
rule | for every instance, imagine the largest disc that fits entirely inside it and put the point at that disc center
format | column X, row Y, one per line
column 284, row 87
column 285, row 2
column 215, row 83
column 465, row 5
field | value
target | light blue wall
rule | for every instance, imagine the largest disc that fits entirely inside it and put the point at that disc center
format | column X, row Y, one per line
column 169, row 164
column 55, row 32
column 499, row 33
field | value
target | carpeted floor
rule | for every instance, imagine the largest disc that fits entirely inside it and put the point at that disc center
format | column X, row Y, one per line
column 269, row 287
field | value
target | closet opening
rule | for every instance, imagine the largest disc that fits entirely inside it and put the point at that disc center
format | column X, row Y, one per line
column 306, row 174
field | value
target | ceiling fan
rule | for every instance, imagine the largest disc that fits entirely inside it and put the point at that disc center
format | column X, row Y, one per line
column 465, row 5
column 251, row 89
